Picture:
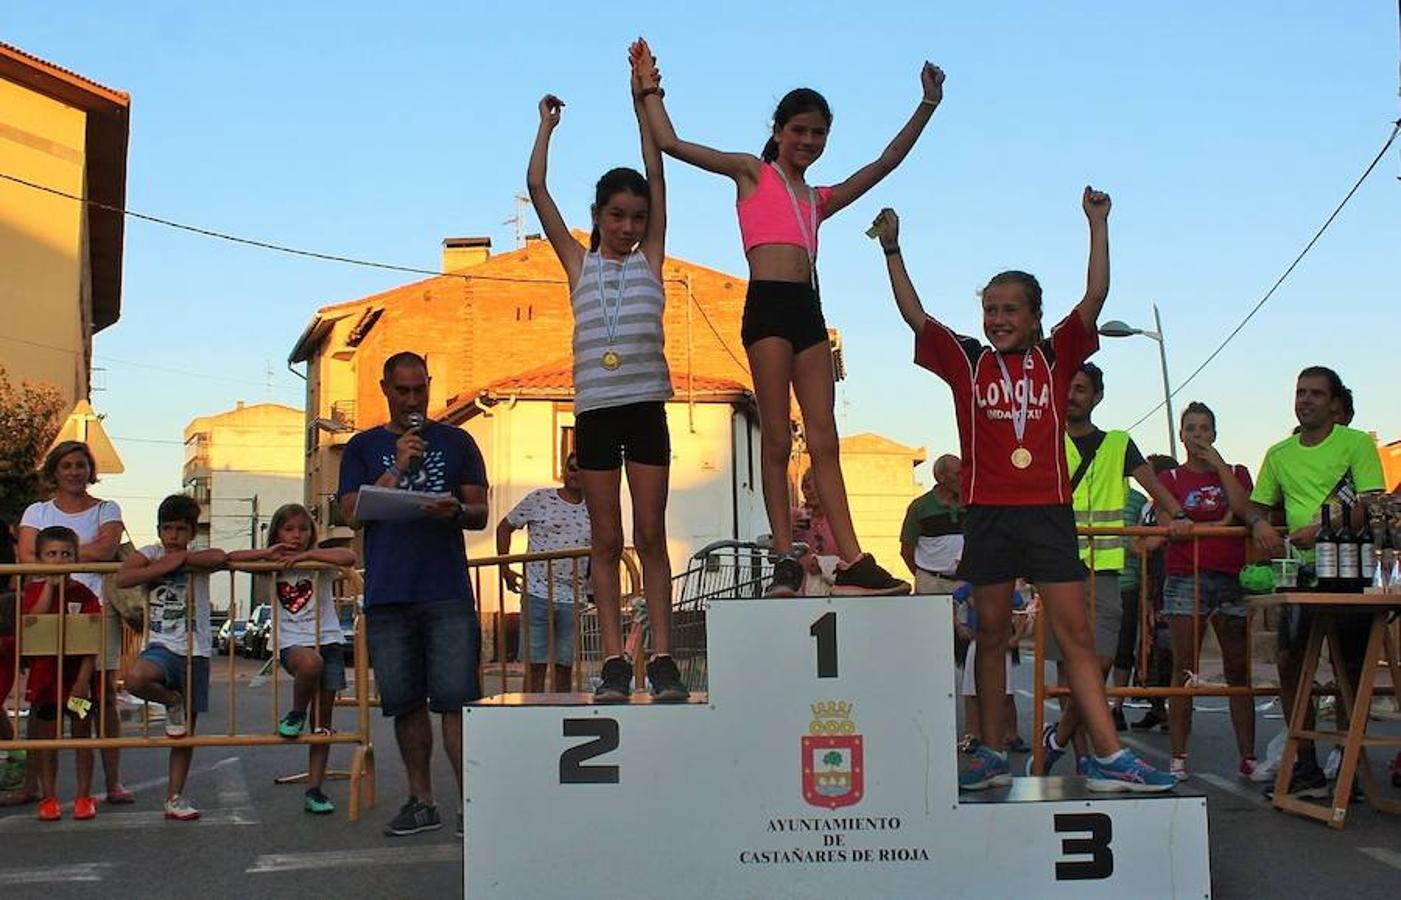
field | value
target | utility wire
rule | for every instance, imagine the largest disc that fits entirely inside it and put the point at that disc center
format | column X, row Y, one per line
column 1396, row 127
column 329, row 257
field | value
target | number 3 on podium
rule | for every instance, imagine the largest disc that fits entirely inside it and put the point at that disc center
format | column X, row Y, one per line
column 824, row 631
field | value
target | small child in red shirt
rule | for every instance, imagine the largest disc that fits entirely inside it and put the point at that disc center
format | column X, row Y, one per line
column 49, row 594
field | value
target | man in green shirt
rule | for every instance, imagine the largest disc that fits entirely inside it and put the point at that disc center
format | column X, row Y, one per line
column 1300, row 473
column 931, row 538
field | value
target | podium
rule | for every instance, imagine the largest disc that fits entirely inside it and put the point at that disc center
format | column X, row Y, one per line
column 822, row 764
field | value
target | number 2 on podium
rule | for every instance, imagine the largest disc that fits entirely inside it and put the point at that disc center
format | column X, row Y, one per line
column 824, row 630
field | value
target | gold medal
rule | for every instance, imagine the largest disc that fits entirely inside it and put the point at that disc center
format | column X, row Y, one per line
column 611, row 360
column 1021, row 458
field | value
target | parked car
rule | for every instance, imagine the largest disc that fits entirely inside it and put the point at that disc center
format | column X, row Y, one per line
column 258, row 635
column 230, row 635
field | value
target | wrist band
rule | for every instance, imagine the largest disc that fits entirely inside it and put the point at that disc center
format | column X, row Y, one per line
column 925, row 101
column 891, row 251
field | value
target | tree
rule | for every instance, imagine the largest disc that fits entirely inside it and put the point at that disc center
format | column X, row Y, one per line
column 832, row 759
column 30, row 417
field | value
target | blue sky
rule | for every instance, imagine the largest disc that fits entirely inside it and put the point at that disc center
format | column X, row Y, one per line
column 1224, row 132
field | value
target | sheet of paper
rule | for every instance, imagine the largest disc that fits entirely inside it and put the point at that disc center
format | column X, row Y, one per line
column 382, row 504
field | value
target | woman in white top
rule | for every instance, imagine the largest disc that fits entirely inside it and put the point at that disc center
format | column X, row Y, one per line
column 70, row 468
column 621, row 385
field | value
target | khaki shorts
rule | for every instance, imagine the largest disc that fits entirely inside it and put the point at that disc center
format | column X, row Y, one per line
column 1108, row 615
column 929, row 583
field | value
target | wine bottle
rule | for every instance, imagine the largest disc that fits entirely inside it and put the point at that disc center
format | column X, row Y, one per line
column 1368, row 554
column 1349, row 554
column 1325, row 554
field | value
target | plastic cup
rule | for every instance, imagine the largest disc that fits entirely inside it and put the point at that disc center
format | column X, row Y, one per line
column 1286, row 572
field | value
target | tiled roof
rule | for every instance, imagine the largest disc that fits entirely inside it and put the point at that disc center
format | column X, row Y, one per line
column 48, row 68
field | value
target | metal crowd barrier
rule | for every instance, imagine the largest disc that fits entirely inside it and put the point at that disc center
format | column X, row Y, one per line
column 585, row 617
column 1041, row 690
column 77, row 634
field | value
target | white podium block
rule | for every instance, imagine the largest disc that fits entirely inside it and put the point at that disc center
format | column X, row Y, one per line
column 822, row 764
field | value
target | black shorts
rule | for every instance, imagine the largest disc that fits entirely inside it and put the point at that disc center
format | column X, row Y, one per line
column 1003, row 543
column 791, row 310
column 637, row 432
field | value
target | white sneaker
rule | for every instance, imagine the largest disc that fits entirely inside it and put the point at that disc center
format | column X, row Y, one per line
column 1178, row 768
column 178, row 807
column 175, row 719
column 1264, row 771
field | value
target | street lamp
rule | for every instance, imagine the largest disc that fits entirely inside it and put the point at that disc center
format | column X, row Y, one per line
column 1116, row 328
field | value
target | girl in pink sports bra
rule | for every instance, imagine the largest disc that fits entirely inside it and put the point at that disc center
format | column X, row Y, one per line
column 784, row 333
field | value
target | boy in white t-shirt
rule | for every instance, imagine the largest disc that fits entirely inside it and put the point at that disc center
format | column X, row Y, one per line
column 173, row 670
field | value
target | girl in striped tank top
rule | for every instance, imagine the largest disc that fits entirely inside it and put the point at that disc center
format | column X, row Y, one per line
column 621, row 385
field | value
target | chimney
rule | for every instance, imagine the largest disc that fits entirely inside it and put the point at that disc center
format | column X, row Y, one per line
column 465, row 252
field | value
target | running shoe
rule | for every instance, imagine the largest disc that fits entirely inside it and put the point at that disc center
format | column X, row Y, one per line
column 180, row 808
column 318, row 803
column 1124, row 771
column 615, row 685
column 787, row 577
column 291, row 725
column 1050, row 755
column 866, row 577
column 175, row 718
column 84, row 808
column 1178, row 768
column 414, row 817
column 50, row 810
column 1305, row 781
column 1151, row 719
column 1248, row 765
column 988, row 769
column 665, row 678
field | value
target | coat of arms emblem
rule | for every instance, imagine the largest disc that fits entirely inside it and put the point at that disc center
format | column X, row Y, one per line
column 833, row 759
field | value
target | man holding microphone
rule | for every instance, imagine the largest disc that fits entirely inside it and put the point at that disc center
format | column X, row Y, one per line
column 420, row 616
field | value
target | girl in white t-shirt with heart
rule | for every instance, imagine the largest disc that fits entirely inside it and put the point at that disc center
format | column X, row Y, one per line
column 308, row 631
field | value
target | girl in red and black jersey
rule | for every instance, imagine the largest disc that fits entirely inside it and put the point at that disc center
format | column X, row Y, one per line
column 1010, row 400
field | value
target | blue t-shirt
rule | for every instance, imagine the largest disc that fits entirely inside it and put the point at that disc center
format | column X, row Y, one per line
column 964, row 594
column 419, row 560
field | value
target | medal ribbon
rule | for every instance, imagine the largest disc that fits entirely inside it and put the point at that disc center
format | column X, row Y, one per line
column 1019, row 416
column 808, row 229
column 610, row 325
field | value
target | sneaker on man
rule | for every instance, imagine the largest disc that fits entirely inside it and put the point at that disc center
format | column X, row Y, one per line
column 1050, row 754
column 84, row 808
column 175, row 718
column 1305, row 781
column 866, row 577
column 787, row 577
column 317, row 803
column 1124, row 771
column 180, row 808
column 1178, row 768
column 291, row 725
column 665, row 678
column 615, row 683
column 987, row 769
column 1151, row 719
column 414, row 817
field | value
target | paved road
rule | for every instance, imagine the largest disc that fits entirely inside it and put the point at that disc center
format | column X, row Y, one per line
column 254, row 840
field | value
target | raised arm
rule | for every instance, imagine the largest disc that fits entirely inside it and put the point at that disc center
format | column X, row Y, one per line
column 887, row 228
column 570, row 254
column 742, row 167
column 868, row 176
column 1096, row 205
column 654, row 241
column 137, row 569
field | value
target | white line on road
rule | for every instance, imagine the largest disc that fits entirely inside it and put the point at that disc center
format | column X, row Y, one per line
column 1383, row 855
column 336, row 859
column 1232, row 787
column 88, row 872
column 109, row 821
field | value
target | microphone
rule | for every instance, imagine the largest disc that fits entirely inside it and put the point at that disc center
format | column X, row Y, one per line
column 415, row 420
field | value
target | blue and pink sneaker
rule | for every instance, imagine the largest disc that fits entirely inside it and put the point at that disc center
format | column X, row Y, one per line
column 1124, row 771
column 988, row 769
